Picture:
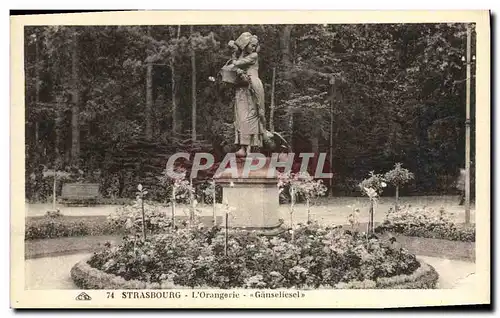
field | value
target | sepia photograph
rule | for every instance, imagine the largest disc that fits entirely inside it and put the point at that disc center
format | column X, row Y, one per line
column 251, row 162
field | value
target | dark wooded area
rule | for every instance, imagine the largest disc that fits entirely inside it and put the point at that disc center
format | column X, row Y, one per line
column 116, row 101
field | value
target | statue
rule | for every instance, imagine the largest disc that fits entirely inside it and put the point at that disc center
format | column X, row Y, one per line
column 249, row 109
column 254, row 196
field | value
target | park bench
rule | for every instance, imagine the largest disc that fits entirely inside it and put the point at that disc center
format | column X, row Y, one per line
column 75, row 193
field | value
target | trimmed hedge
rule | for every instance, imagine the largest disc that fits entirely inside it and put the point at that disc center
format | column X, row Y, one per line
column 426, row 222
column 449, row 232
column 54, row 227
column 87, row 277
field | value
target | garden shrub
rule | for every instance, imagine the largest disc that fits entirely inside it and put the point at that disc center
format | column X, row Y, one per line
column 129, row 217
column 54, row 214
column 375, row 182
column 51, row 227
column 426, row 222
column 318, row 258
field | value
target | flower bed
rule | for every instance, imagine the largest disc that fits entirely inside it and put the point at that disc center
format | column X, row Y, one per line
column 87, row 277
column 426, row 222
column 318, row 258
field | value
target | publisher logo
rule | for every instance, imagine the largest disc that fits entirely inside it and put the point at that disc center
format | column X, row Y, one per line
column 83, row 296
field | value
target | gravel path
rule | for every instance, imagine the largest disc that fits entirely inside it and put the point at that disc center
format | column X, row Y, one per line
column 327, row 210
column 51, row 272
column 452, row 273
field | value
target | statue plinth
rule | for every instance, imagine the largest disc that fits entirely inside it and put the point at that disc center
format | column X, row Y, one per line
column 254, row 197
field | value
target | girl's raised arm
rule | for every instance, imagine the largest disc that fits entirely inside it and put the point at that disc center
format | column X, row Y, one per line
column 250, row 59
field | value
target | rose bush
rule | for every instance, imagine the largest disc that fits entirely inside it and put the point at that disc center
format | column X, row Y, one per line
column 426, row 222
column 129, row 217
column 320, row 257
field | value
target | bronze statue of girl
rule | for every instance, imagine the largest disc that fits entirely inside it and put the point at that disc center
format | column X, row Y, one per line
column 249, row 106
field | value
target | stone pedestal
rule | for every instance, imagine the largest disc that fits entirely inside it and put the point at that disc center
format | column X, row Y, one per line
column 255, row 198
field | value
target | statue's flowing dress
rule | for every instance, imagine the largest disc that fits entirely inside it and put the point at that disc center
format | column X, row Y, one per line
column 249, row 104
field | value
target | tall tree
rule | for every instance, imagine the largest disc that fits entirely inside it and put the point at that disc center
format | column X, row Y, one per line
column 59, row 119
column 149, row 102
column 75, row 107
column 37, row 80
column 148, row 113
column 272, row 106
column 174, row 84
column 193, row 86
column 286, row 59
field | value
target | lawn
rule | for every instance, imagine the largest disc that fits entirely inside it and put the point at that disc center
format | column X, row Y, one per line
column 464, row 251
column 66, row 245
column 330, row 210
column 456, row 250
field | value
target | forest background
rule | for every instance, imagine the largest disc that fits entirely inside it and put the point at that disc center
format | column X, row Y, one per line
column 110, row 104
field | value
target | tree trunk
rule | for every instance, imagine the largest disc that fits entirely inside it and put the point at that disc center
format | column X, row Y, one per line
column 193, row 90
column 286, row 60
column 174, row 97
column 397, row 197
column 467, row 129
column 271, row 111
column 57, row 143
column 148, row 131
column 226, row 236
column 315, row 142
column 313, row 165
column 148, row 116
column 37, row 128
column 191, row 202
column 54, row 200
column 286, row 54
column 75, row 108
column 214, row 194
column 37, row 88
column 173, row 206
column 174, row 88
column 370, row 221
column 143, row 220
column 337, row 149
column 308, row 203
column 332, row 97
column 291, row 116
column 292, row 206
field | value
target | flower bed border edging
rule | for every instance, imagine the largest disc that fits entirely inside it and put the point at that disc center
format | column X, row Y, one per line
column 87, row 277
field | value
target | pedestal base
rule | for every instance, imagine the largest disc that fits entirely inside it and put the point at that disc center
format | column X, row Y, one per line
column 254, row 199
